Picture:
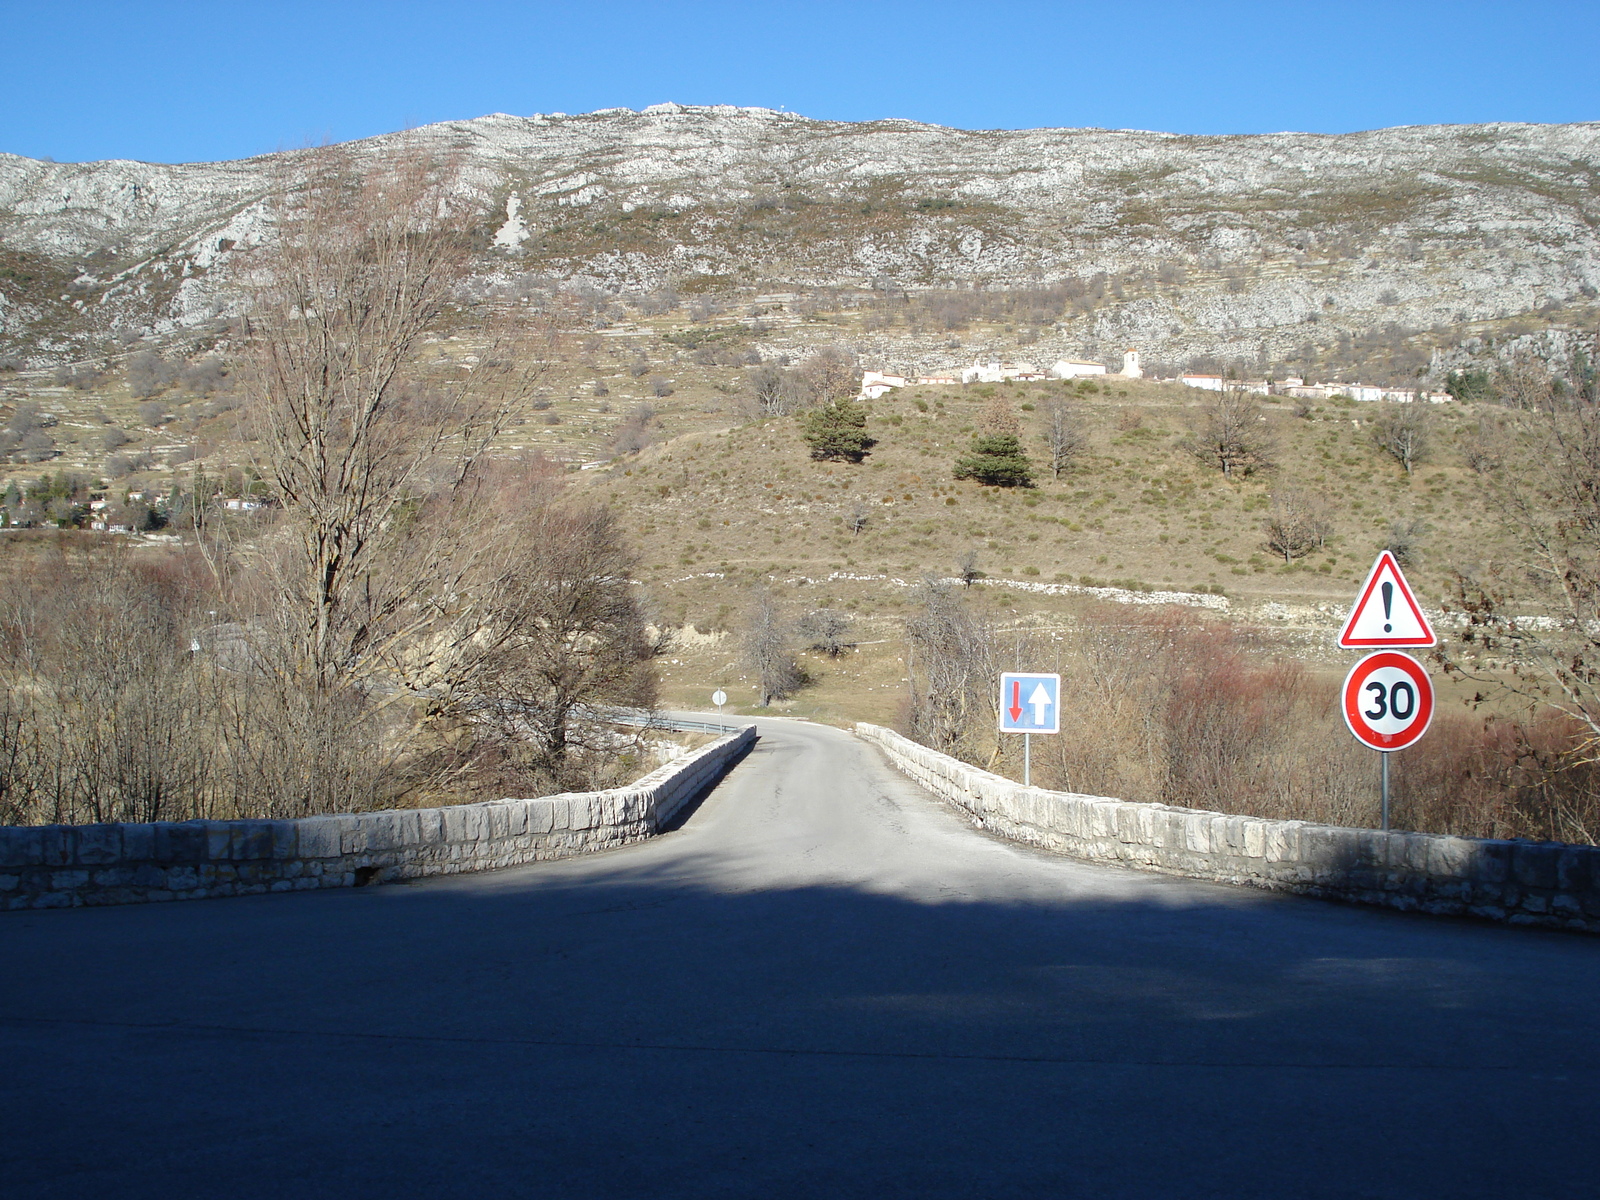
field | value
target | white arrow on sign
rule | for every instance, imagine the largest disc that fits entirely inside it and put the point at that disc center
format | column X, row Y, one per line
column 1039, row 701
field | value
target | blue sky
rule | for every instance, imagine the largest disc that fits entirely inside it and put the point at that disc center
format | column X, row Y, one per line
column 177, row 82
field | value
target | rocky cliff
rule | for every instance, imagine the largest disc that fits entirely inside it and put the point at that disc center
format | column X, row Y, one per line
column 1257, row 248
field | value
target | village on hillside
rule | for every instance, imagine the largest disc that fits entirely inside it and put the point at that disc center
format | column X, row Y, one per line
column 875, row 384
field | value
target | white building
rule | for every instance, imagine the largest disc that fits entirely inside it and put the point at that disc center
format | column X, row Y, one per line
column 875, row 383
column 1130, row 365
column 995, row 371
column 1210, row 383
column 1072, row 368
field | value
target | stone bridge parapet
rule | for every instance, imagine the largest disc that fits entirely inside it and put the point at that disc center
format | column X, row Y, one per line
column 63, row 866
column 1522, row 882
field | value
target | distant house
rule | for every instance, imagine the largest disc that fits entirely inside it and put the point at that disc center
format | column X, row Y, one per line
column 1210, row 383
column 1072, row 368
column 875, row 383
column 995, row 371
column 936, row 380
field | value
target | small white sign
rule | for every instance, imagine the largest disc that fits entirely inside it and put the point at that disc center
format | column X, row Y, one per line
column 719, row 697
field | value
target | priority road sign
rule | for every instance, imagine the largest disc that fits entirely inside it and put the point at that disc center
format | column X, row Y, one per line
column 1388, row 700
column 1386, row 612
column 1030, row 702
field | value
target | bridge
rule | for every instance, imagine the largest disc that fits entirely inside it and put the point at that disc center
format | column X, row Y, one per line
column 824, row 982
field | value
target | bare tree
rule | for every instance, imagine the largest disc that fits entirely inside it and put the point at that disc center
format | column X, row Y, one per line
column 149, row 375
column 1232, row 434
column 351, row 435
column 859, row 516
column 825, row 630
column 777, row 392
column 768, row 649
column 1405, row 540
column 636, row 430
column 829, row 373
column 1297, row 523
column 1404, row 431
column 1544, row 480
column 954, row 669
column 1063, row 434
column 967, row 569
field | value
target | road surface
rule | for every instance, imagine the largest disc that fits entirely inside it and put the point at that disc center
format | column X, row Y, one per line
column 825, row 983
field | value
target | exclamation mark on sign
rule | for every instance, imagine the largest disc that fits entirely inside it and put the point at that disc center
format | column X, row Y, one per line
column 1388, row 603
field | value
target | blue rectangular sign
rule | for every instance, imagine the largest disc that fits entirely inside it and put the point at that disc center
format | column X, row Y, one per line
column 1030, row 702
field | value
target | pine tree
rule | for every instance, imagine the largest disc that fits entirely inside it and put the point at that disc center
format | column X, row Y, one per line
column 996, row 459
column 838, row 429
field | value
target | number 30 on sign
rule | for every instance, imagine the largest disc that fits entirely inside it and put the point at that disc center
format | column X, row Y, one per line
column 1388, row 700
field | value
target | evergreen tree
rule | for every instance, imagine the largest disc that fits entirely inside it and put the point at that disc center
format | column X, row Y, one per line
column 837, row 429
column 996, row 459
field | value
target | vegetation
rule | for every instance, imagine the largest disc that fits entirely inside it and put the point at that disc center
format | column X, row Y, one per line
column 837, row 430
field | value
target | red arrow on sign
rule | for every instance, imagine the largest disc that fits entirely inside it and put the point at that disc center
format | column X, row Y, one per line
column 1016, row 700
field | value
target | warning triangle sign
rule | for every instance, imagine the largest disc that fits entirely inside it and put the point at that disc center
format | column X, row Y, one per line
column 1386, row 611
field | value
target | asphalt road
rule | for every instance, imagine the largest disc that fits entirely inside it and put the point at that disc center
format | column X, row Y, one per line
column 825, row 984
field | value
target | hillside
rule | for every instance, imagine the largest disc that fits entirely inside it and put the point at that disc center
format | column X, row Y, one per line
column 1362, row 253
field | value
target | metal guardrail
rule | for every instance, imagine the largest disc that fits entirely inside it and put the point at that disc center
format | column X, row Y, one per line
column 645, row 720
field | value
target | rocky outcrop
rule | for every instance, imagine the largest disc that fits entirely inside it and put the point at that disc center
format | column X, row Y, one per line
column 1242, row 245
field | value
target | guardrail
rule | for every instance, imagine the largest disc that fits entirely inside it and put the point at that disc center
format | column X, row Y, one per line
column 648, row 720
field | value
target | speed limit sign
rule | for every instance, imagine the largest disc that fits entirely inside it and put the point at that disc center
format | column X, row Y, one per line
column 1388, row 700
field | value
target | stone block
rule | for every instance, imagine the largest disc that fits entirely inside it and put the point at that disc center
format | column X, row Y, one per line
column 180, row 843
column 58, row 845
column 1492, row 862
column 10, row 883
column 219, row 839
column 99, row 844
column 379, row 831
column 138, row 843
column 1533, row 864
column 21, row 846
column 1371, row 847
column 63, row 881
column 1197, row 833
column 317, row 837
column 1451, row 857
column 1255, row 838
column 1573, row 867
column 252, row 840
column 285, row 839
column 352, row 834
column 541, row 816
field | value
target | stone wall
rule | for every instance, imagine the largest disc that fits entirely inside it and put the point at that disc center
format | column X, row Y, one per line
column 60, row 866
column 1530, row 883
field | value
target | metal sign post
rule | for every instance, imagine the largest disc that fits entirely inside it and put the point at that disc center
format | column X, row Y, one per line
column 1384, row 755
column 1388, row 698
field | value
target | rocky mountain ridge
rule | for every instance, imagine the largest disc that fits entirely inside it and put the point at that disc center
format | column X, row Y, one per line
column 1259, row 248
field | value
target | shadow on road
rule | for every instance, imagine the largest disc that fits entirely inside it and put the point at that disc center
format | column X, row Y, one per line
column 637, row 1031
